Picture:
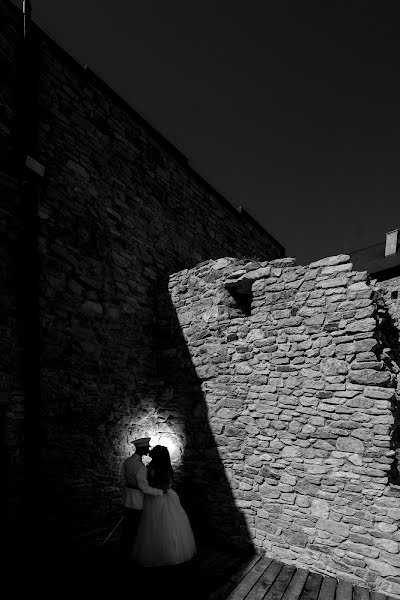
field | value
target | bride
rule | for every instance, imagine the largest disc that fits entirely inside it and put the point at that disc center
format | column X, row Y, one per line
column 164, row 536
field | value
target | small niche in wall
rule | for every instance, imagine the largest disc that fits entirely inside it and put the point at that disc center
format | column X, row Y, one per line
column 243, row 301
column 242, row 296
column 394, row 295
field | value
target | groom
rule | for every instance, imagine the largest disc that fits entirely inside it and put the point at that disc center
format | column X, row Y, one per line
column 133, row 480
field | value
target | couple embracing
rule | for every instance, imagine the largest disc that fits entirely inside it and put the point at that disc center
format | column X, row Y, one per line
column 156, row 529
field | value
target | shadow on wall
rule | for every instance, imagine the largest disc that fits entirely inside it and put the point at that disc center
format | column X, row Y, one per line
column 390, row 355
column 201, row 480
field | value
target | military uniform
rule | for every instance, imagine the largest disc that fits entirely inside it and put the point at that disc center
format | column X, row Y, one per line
column 133, row 480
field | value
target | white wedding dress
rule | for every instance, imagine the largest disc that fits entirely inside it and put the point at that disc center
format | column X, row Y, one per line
column 164, row 535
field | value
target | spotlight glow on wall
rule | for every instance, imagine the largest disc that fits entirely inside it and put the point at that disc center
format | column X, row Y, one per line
column 170, row 440
column 160, row 433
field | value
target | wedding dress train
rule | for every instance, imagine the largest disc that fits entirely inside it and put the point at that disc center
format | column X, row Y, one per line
column 164, row 536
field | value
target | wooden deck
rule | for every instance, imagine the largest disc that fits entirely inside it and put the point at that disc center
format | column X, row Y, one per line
column 214, row 574
column 262, row 578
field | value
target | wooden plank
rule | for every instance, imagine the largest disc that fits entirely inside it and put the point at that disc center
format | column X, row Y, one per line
column 245, row 566
column 296, row 585
column 311, row 589
column 379, row 596
column 328, row 589
column 344, row 590
column 249, row 564
column 281, row 583
column 248, row 582
column 360, row 593
column 215, row 581
column 226, row 570
column 221, row 593
column 265, row 582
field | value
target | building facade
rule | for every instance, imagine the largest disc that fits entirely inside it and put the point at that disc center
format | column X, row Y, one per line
column 98, row 209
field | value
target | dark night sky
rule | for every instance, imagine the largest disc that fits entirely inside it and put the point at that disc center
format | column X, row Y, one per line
column 288, row 108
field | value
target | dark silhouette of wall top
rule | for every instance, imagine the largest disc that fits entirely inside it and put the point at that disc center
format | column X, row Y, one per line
column 300, row 387
column 117, row 211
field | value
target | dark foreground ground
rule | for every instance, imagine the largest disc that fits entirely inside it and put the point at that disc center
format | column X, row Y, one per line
column 101, row 573
column 216, row 573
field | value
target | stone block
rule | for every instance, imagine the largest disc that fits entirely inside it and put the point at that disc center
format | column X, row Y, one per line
column 376, row 365
column 379, row 393
column 335, row 282
column 357, row 538
column 303, row 501
column 350, row 444
column 355, row 459
column 360, row 402
column 381, row 567
column 269, row 492
column 320, row 508
column 333, row 527
column 91, row 308
column 361, row 549
column 345, row 348
column 361, row 325
column 290, row 452
column 366, row 345
column 288, row 479
column 295, row 538
column 391, row 559
column 333, row 270
column 387, row 527
column 369, row 377
column 330, row 261
column 243, row 369
column 394, row 513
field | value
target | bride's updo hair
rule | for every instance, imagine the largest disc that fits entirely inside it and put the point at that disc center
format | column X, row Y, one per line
column 160, row 457
column 160, row 466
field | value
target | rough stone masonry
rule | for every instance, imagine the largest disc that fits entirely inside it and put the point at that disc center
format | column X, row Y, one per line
column 301, row 392
column 117, row 210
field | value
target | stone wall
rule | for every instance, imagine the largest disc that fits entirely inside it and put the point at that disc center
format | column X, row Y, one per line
column 300, row 390
column 389, row 320
column 119, row 210
column 392, row 289
column 11, row 392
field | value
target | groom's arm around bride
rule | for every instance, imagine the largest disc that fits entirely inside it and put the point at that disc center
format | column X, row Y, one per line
column 143, row 485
